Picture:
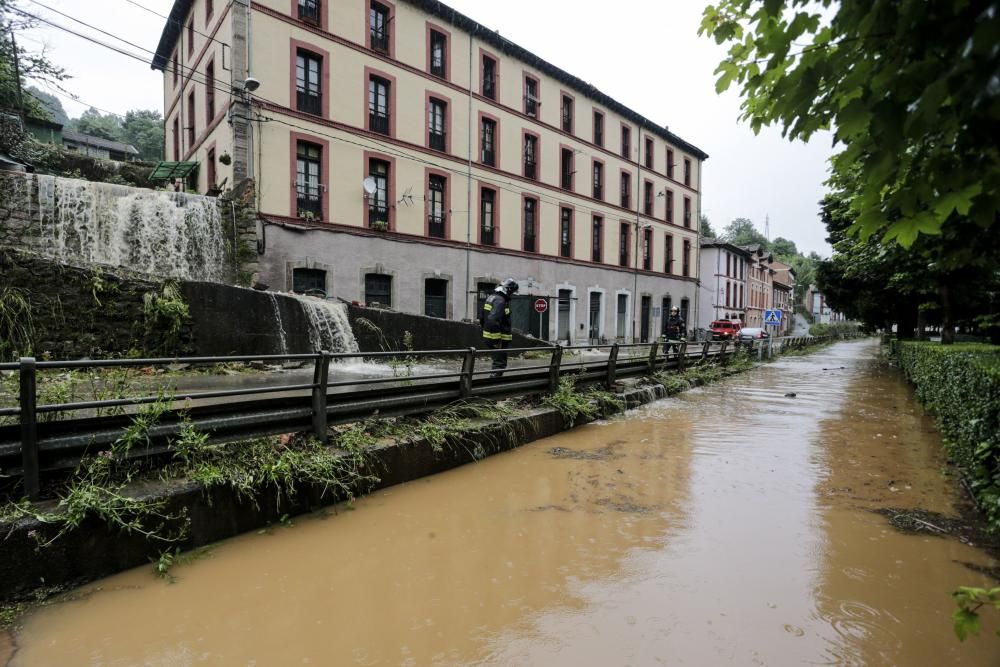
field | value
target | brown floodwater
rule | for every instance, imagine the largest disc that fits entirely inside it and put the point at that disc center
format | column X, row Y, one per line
column 729, row 525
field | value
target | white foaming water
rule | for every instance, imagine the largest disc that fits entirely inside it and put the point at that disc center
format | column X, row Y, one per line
column 281, row 325
column 166, row 234
column 329, row 328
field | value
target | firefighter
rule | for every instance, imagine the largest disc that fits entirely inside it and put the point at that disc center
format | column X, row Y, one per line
column 495, row 320
column 676, row 329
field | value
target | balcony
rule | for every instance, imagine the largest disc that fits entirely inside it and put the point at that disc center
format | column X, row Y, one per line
column 308, row 206
column 437, row 141
column 435, row 226
column 380, row 40
column 308, row 103
column 378, row 216
column 379, row 123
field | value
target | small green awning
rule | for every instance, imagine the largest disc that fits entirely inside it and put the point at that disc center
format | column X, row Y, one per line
column 167, row 171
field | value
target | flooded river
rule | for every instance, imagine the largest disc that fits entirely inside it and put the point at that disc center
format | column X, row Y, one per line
column 731, row 525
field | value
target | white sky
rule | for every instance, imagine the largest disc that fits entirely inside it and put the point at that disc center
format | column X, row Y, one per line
column 647, row 55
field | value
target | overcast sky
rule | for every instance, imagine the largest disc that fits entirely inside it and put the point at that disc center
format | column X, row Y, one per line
column 646, row 55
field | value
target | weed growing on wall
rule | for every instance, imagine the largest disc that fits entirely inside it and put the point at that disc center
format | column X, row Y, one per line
column 164, row 316
column 577, row 405
column 16, row 327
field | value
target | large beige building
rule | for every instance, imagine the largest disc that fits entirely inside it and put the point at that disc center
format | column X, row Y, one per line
column 406, row 155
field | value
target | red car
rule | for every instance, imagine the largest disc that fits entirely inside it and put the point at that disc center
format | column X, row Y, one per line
column 725, row 329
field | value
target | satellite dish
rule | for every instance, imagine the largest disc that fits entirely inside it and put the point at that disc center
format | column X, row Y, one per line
column 369, row 185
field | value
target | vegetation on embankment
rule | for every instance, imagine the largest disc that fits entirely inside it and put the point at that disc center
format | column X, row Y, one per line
column 960, row 386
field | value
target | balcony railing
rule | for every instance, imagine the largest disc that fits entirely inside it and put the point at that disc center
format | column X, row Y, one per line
column 489, row 157
column 308, row 103
column 598, row 191
column 309, row 204
column 309, row 12
column 623, row 258
column 488, row 234
column 567, row 180
column 435, row 226
column 437, row 141
column 380, row 40
column 529, row 243
column 379, row 123
column 378, row 216
column 529, row 169
column 626, row 200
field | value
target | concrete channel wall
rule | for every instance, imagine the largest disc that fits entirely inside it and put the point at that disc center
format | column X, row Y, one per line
column 92, row 550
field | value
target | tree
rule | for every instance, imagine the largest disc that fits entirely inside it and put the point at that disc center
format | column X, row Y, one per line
column 106, row 126
column 50, row 103
column 908, row 85
column 742, row 232
column 783, row 248
column 144, row 130
column 33, row 65
column 706, row 227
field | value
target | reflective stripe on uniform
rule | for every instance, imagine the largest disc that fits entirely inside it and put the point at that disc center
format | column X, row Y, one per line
column 487, row 307
column 506, row 311
column 506, row 336
column 493, row 335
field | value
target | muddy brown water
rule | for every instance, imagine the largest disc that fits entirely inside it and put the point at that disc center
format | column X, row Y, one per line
column 730, row 525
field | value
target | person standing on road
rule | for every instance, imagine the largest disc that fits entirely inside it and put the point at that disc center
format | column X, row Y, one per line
column 676, row 327
column 495, row 320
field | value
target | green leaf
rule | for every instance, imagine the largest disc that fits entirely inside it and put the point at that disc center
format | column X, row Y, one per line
column 853, row 120
column 960, row 201
column 966, row 623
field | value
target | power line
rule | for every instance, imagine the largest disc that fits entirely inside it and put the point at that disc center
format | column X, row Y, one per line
column 175, row 21
column 92, row 27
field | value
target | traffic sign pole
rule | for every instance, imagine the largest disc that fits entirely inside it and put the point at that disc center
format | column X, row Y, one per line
column 541, row 305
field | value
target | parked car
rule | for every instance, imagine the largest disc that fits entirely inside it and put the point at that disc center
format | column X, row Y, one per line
column 748, row 334
column 725, row 329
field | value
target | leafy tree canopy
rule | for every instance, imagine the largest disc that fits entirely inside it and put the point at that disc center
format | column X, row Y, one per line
column 909, row 86
column 141, row 128
column 706, row 227
column 742, row 232
column 33, row 65
column 50, row 103
column 782, row 247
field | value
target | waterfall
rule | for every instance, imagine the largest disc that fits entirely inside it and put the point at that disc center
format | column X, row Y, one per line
column 329, row 328
column 165, row 234
column 282, row 334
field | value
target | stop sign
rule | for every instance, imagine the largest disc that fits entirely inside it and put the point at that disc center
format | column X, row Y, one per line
column 541, row 305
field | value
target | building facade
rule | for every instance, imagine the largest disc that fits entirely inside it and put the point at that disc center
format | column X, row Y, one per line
column 759, row 285
column 782, row 289
column 405, row 155
column 723, row 278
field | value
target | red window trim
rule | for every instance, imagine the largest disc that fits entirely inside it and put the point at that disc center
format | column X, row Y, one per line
column 447, row 49
column 538, row 153
column 572, row 112
column 483, row 54
column 572, row 231
column 393, row 94
column 525, row 76
column 428, row 94
column 628, row 173
column 391, row 23
column 628, row 243
column 668, row 254
column 293, row 46
column 390, row 187
column 496, row 139
column 604, row 245
column 496, row 214
column 572, row 168
column 538, row 223
column 604, row 179
column 324, row 172
column 294, row 13
column 428, row 172
column 625, row 126
column 604, row 129
column 649, row 152
column 190, row 37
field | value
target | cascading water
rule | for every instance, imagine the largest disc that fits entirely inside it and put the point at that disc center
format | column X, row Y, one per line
column 329, row 328
column 282, row 334
column 166, row 234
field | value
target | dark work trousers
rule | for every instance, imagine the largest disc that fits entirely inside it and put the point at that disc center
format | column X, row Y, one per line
column 499, row 357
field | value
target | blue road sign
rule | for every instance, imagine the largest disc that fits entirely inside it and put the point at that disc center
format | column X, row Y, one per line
column 772, row 317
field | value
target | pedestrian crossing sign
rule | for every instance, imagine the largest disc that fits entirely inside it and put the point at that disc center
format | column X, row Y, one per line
column 772, row 317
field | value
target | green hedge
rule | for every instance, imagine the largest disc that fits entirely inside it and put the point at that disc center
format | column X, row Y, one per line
column 835, row 329
column 960, row 386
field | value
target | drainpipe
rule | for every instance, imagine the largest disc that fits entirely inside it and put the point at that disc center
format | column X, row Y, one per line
column 468, row 195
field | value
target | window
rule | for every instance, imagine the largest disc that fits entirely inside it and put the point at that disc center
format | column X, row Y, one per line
column 177, row 138
column 668, row 261
column 177, row 68
column 378, row 289
column 378, row 23
column 210, row 169
column 598, row 128
column 436, row 297
column 209, row 92
column 684, row 308
column 666, row 311
column 378, row 201
column 439, row 54
column 626, row 142
column 647, row 249
column 488, row 142
column 597, row 234
column 530, row 223
column 308, row 280
column 487, row 211
column 565, row 232
column 566, row 168
column 649, row 153
column 623, row 244
column 378, row 105
column 687, row 172
column 687, row 212
column 598, row 180
column 489, row 77
column 728, row 290
column 647, row 198
column 622, row 315
column 626, row 190
column 567, row 113
column 686, row 258
column 308, row 93
column 436, row 131
column 190, row 36
column 595, row 315
column 307, row 179
column 309, row 11
column 530, row 156
column 670, row 163
column 209, row 10
column 191, row 121
column 435, row 206
column 531, row 96
column 670, row 206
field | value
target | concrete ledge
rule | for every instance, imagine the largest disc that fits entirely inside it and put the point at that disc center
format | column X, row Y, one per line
column 92, row 550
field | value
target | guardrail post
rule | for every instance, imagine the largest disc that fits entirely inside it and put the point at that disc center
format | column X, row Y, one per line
column 704, row 350
column 722, row 352
column 29, row 427
column 682, row 352
column 554, row 364
column 652, row 356
column 612, row 365
column 468, row 368
column 321, row 374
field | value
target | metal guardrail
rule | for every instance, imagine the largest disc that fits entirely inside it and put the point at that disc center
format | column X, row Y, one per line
column 33, row 446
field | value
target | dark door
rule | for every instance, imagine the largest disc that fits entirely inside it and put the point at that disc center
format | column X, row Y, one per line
column 647, row 306
column 564, row 329
column 436, row 297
